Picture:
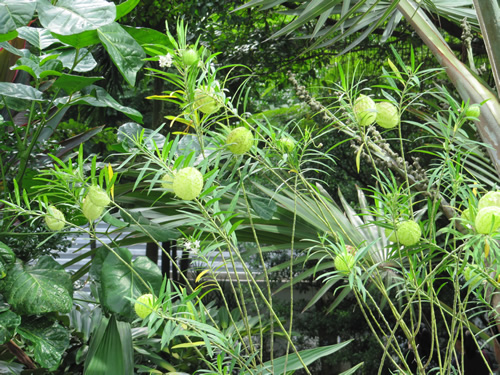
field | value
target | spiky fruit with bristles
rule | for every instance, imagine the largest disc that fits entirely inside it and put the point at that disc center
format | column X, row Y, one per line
column 239, row 140
column 387, row 115
column 474, row 110
column 188, row 183
column 98, row 196
column 144, row 305
column 344, row 262
column 205, row 100
column 490, row 199
column 408, row 233
column 54, row 219
column 487, row 220
column 90, row 210
column 365, row 110
column 189, row 57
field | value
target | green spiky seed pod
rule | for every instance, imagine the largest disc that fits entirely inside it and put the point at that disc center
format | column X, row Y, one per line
column 240, row 140
column 474, row 110
column 98, row 196
column 408, row 233
column 490, row 199
column 390, row 234
column 471, row 273
column 466, row 214
column 54, row 219
column 287, row 144
column 387, row 115
column 205, row 101
column 365, row 110
column 344, row 263
column 90, row 210
column 167, row 181
column 189, row 57
column 188, row 183
column 144, row 305
column 488, row 220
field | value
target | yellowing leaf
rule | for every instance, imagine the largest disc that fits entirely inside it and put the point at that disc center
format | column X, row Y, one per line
column 110, row 176
column 395, row 70
column 486, row 249
column 189, row 344
column 200, row 275
column 358, row 157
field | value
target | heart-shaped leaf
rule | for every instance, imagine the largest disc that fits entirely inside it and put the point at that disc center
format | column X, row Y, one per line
column 15, row 13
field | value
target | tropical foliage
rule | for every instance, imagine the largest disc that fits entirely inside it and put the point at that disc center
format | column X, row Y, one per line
column 243, row 195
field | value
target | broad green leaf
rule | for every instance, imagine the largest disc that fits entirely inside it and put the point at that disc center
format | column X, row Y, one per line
column 145, row 36
column 20, row 91
column 85, row 63
column 8, row 324
column 49, row 340
column 37, row 70
column 75, row 16
column 111, row 350
column 37, row 37
column 292, row 362
column 125, row 52
column 264, row 207
column 125, row 8
column 80, row 40
column 8, row 36
column 15, row 13
column 130, row 131
column 73, row 83
column 37, row 289
column 7, row 258
column 121, row 280
column 98, row 97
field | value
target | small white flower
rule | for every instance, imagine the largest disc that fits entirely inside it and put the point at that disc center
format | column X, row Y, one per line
column 196, row 245
column 165, row 61
column 187, row 245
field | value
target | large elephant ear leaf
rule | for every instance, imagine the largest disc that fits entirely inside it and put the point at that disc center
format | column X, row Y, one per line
column 7, row 258
column 123, row 279
column 38, row 289
column 8, row 324
column 48, row 339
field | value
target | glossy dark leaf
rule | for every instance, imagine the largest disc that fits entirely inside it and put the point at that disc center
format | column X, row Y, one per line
column 125, row 8
column 98, row 97
column 120, row 280
column 125, row 52
column 15, row 13
column 37, row 37
column 145, row 36
column 8, row 324
column 7, row 258
column 20, row 91
column 86, row 61
column 80, row 40
column 37, row 289
column 73, row 83
column 75, row 16
column 49, row 340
